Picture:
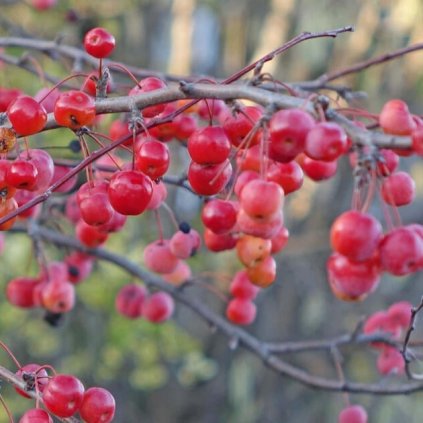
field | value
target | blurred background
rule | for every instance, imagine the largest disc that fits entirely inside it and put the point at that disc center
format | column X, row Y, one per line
column 182, row 371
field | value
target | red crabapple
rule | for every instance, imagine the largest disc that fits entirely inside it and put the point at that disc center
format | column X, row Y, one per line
column 263, row 273
column 352, row 281
column 398, row 189
column 99, row 43
column 98, row 406
column 355, row 235
column 63, row 395
column 390, row 361
column 209, row 145
column 158, row 307
column 325, row 141
column 159, row 258
column 396, row 119
column 219, row 215
column 353, row 414
column 130, row 299
column 288, row 130
column 74, row 109
column 252, row 250
column 260, row 198
column 26, row 115
column 242, row 287
column 179, row 275
column 35, row 415
column 241, row 311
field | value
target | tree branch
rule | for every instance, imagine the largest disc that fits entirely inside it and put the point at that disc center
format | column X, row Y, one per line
column 234, row 333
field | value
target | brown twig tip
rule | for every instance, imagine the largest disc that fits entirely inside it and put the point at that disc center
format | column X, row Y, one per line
column 336, row 32
column 406, row 352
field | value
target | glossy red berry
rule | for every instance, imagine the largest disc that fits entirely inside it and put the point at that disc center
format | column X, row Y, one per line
column 401, row 251
column 158, row 307
column 209, row 145
column 43, row 5
column 90, row 236
column 219, row 215
column 20, row 291
column 94, row 203
column 98, row 406
column 184, row 244
column 239, row 126
column 130, row 299
column 289, row 176
column 396, row 119
column 355, row 235
column 152, row 158
column 288, row 130
column 318, row 170
column 58, row 296
column 352, row 281
column 36, row 415
column 98, row 42
column 261, row 199
column 266, row 227
column 252, row 250
column 390, row 361
column 26, row 115
column 325, row 141
column 279, row 240
column 241, row 311
column 398, row 189
column 44, row 164
column 209, row 179
column 63, row 395
column 74, row 109
column 130, row 192
column 353, row 414
column 241, row 286
column 263, row 274
column 22, row 174
column 159, row 258
column 215, row 242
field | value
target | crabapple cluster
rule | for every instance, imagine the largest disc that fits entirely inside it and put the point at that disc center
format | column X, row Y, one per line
column 362, row 251
column 393, row 321
column 63, row 396
column 133, row 301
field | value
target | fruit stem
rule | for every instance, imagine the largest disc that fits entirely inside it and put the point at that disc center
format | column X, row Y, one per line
column 6, row 408
column 9, row 352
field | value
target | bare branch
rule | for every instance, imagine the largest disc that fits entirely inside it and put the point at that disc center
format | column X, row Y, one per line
column 234, row 333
